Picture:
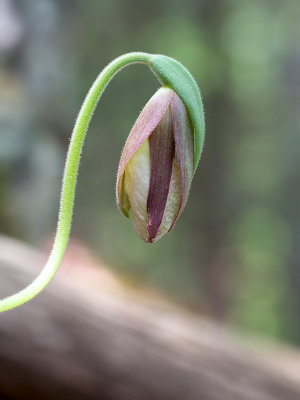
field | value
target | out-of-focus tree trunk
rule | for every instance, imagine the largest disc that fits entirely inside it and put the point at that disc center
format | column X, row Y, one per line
column 85, row 339
column 213, row 212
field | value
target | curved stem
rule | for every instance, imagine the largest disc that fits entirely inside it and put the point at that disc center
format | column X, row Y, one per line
column 69, row 179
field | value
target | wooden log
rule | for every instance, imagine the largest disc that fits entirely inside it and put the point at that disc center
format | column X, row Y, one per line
column 82, row 339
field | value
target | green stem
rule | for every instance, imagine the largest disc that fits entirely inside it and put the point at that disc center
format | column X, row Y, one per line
column 69, row 179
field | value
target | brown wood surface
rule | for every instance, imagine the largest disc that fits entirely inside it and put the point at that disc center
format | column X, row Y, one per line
column 86, row 337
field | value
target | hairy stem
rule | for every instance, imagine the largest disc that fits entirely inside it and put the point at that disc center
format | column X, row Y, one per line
column 69, row 179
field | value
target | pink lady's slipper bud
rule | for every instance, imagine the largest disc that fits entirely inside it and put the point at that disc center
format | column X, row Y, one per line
column 156, row 166
column 162, row 152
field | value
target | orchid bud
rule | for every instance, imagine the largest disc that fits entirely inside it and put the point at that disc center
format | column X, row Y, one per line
column 156, row 166
column 162, row 152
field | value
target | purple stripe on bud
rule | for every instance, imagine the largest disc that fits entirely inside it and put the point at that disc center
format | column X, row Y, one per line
column 162, row 149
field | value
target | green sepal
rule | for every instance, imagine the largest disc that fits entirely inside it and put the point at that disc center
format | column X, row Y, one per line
column 173, row 74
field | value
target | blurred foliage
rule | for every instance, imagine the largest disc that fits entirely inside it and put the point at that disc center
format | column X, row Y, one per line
column 235, row 252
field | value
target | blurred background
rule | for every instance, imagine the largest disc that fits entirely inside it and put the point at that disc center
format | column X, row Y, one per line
column 234, row 254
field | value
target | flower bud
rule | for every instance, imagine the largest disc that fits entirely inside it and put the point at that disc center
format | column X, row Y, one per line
column 156, row 166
